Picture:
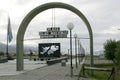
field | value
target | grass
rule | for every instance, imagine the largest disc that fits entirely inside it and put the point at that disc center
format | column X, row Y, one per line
column 98, row 75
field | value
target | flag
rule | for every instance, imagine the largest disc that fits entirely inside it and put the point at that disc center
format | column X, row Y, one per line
column 9, row 31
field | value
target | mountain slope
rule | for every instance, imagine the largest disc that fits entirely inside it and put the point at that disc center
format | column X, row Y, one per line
column 12, row 48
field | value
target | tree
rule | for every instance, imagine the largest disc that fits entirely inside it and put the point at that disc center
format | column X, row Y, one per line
column 2, row 53
column 110, row 47
column 117, row 53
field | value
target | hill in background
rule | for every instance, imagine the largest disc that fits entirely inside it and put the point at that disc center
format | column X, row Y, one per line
column 12, row 48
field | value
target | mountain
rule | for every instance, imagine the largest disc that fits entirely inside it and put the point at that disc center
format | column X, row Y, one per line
column 99, row 52
column 2, row 47
column 12, row 48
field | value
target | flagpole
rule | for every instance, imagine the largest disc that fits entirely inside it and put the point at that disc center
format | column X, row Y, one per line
column 7, row 54
column 7, row 47
column 9, row 38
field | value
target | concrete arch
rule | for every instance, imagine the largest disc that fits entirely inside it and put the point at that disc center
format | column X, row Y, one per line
column 32, row 14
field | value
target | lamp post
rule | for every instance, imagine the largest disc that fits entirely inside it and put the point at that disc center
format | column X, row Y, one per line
column 78, row 51
column 75, row 36
column 70, row 26
column 68, row 54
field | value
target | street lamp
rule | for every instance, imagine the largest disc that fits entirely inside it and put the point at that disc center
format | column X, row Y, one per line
column 70, row 26
column 75, row 36
column 68, row 54
column 79, row 50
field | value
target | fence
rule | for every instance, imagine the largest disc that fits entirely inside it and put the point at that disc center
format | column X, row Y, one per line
column 112, row 70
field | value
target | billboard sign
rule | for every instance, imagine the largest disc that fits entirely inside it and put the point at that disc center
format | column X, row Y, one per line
column 49, row 50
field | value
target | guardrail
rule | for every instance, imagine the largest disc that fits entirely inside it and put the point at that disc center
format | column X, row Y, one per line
column 3, row 60
column 57, row 60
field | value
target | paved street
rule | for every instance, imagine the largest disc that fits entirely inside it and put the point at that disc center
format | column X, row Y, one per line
column 53, row 72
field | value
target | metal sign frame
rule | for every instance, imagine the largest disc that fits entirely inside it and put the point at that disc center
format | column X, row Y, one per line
column 53, row 32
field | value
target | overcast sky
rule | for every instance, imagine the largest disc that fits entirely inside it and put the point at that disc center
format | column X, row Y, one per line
column 103, row 16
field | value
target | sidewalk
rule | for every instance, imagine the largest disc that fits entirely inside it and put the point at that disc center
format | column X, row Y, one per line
column 53, row 72
column 9, row 68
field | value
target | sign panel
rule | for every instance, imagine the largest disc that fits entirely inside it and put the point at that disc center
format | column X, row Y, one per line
column 49, row 50
column 54, row 32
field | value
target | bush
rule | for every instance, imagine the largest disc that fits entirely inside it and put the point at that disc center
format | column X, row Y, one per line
column 117, row 53
column 110, row 47
column 2, row 53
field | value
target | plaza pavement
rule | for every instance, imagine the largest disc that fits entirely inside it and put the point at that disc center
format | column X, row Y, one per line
column 40, row 71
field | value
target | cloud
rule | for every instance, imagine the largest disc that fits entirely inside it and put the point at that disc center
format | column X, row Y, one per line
column 111, row 30
column 22, row 2
column 103, row 16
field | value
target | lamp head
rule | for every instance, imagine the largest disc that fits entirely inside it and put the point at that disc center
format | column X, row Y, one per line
column 70, row 26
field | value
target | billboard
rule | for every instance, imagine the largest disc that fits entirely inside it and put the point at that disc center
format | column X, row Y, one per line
column 49, row 50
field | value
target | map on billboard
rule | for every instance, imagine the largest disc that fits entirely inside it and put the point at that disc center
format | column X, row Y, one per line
column 49, row 50
column 53, row 32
